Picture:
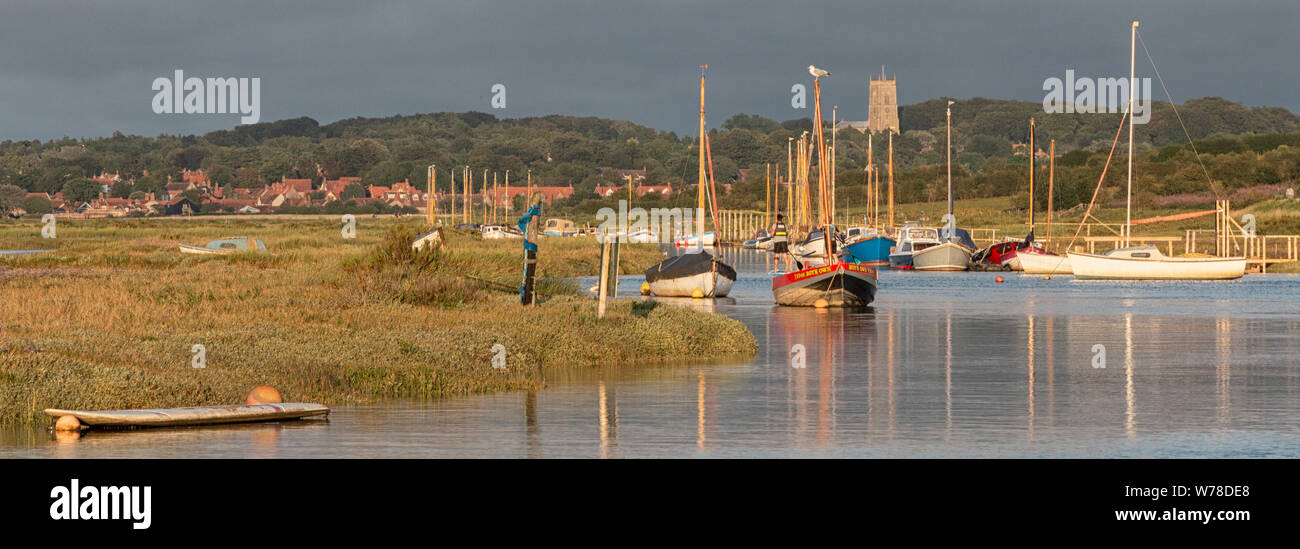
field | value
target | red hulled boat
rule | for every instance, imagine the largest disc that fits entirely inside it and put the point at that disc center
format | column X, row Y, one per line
column 840, row 284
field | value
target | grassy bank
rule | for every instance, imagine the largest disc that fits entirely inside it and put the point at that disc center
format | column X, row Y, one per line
column 110, row 318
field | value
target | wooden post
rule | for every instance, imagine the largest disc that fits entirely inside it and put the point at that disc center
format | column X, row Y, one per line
column 604, row 274
column 430, row 203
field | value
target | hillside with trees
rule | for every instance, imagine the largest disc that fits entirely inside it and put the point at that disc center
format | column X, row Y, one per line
column 1241, row 148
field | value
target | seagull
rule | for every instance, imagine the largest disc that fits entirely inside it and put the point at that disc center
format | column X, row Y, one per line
column 817, row 73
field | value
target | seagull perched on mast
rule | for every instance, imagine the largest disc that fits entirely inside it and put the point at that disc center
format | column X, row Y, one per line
column 818, row 73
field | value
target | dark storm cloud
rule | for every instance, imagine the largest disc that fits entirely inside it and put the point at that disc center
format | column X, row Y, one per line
column 86, row 70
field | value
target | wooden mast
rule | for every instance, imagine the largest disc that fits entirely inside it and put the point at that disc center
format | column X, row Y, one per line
column 1031, row 174
column 891, row 181
column 823, row 173
column 699, row 214
column 1051, row 176
column 871, row 158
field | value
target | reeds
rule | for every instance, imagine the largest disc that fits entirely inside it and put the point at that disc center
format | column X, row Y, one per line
column 109, row 320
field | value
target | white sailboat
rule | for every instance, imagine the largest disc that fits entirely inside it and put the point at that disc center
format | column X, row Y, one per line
column 1146, row 262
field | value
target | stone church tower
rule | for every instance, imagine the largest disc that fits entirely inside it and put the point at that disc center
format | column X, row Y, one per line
column 882, row 112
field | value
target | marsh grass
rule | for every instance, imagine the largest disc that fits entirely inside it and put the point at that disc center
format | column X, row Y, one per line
column 107, row 321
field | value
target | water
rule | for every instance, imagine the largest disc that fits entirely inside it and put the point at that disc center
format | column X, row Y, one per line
column 942, row 365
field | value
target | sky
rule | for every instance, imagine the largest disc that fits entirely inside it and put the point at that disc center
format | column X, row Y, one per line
column 85, row 69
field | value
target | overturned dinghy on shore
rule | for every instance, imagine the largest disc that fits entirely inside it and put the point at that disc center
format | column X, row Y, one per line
column 225, row 246
column 195, row 415
column 687, row 274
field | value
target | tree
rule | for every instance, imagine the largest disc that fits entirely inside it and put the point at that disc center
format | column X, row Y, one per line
column 354, row 190
column 81, row 190
column 37, row 205
column 11, row 197
column 122, row 189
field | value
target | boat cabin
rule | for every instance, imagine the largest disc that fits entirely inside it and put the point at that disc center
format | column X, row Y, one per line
column 559, row 227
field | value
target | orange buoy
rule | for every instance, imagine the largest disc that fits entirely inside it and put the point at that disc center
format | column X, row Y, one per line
column 821, row 304
column 67, row 423
column 264, row 394
column 998, row 280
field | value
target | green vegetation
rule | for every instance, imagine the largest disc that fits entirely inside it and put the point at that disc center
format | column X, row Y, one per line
column 1242, row 147
column 108, row 320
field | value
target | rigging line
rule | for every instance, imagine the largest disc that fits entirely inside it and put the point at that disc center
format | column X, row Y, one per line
column 1100, row 180
column 1175, row 108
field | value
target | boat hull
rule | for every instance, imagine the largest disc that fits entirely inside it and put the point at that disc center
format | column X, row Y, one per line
column 197, row 415
column 943, row 257
column 840, row 284
column 687, row 274
column 200, row 250
column 1104, row 267
column 1044, row 264
column 872, row 250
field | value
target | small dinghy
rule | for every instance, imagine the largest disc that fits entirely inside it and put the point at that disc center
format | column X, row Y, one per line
column 224, row 246
column 195, row 415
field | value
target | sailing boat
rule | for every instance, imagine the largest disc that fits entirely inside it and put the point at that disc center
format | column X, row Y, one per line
column 872, row 246
column 694, row 273
column 1146, row 262
column 835, row 283
column 955, row 247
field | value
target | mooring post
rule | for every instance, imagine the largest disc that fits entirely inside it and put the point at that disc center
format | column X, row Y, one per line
column 604, row 274
column 528, row 224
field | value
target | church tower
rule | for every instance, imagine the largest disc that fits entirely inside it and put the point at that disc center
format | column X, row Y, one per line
column 882, row 112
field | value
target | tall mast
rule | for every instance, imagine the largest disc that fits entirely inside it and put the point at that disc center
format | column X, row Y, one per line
column 823, row 167
column 1031, row 174
column 699, row 216
column 948, row 126
column 1128, row 202
column 866, row 209
column 1051, row 176
column 891, row 180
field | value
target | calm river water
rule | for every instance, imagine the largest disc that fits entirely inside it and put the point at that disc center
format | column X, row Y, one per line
column 942, row 365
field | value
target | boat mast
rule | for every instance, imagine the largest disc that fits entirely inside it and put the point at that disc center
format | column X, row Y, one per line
column 866, row 208
column 1051, row 176
column 1128, row 202
column 1032, row 150
column 891, row 180
column 699, row 216
column 832, row 160
column 948, row 127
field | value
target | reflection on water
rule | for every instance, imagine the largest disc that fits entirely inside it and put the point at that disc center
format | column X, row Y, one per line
column 941, row 365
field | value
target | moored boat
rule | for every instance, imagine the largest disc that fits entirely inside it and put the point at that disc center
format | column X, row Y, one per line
column 868, row 248
column 840, row 284
column 1147, row 263
column 953, row 253
column 911, row 239
column 1044, row 263
column 696, row 274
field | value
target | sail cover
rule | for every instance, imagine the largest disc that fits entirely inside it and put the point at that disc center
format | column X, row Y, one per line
column 688, row 265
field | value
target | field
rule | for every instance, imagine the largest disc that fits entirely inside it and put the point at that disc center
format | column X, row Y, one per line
column 113, row 318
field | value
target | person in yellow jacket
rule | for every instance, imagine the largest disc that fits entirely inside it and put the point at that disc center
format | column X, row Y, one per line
column 780, row 243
